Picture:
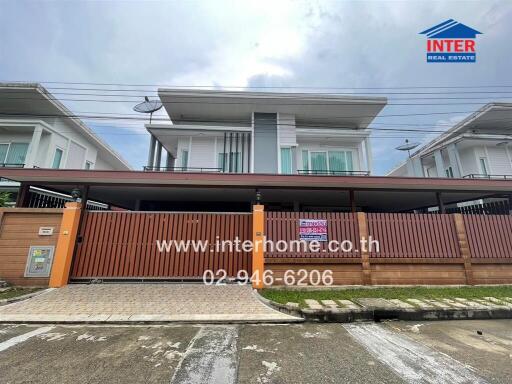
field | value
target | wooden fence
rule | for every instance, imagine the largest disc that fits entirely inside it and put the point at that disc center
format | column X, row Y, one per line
column 413, row 248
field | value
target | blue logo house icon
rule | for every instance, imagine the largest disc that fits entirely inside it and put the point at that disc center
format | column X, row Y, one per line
column 451, row 42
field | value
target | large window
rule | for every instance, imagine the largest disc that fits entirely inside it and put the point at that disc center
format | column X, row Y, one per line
column 233, row 164
column 286, row 160
column 327, row 161
column 3, row 152
column 57, row 158
column 13, row 154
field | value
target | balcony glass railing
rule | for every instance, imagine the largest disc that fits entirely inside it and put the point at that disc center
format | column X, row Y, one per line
column 182, row 169
column 332, row 173
column 11, row 165
column 484, row 176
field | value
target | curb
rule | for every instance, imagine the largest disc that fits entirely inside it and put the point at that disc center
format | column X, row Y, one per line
column 15, row 299
column 340, row 315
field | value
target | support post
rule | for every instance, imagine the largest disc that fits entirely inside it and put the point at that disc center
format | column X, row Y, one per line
column 352, row 200
column 365, row 257
column 440, row 203
column 464, row 247
column 158, row 161
column 23, row 199
column 65, row 245
column 151, row 155
column 258, row 237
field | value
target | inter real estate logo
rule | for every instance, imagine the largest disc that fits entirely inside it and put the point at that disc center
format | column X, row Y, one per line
column 451, row 42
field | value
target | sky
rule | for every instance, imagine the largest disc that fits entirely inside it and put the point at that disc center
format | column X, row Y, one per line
column 325, row 46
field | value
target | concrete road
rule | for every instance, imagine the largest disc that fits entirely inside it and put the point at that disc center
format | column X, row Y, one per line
column 394, row 352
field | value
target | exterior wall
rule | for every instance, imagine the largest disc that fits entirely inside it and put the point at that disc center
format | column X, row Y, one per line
column 498, row 159
column 19, row 229
column 265, row 143
column 469, row 161
column 287, row 134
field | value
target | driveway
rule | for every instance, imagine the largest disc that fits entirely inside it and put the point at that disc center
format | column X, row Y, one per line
column 395, row 352
column 144, row 302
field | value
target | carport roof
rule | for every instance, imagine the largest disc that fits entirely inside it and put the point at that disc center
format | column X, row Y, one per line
column 124, row 188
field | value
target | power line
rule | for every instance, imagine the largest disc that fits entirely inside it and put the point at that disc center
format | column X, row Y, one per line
column 265, row 86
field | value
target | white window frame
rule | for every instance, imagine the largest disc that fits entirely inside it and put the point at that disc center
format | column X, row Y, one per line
column 326, row 151
column 291, row 159
column 61, row 158
column 6, row 152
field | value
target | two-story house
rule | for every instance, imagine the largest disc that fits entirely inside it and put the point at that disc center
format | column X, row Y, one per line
column 477, row 147
column 256, row 132
column 38, row 131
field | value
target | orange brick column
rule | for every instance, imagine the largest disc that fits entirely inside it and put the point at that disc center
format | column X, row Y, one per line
column 65, row 245
column 464, row 247
column 258, row 235
column 365, row 257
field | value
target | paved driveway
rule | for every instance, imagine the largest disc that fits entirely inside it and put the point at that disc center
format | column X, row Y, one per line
column 143, row 302
column 396, row 352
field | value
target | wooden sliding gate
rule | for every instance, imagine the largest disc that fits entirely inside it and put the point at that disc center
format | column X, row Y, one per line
column 125, row 245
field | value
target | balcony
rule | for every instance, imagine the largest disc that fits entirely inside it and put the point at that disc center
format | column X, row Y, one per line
column 182, row 169
column 484, row 176
column 332, row 173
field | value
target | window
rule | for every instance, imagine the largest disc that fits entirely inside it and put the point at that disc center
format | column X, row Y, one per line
column 57, row 158
column 305, row 160
column 17, row 153
column 449, row 172
column 318, row 161
column 327, row 161
column 184, row 159
column 483, row 166
column 234, row 164
column 3, row 152
column 88, row 165
column 286, row 161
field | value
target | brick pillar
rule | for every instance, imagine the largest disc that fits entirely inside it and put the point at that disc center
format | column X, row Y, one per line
column 365, row 257
column 258, row 235
column 65, row 245
column 464, row 247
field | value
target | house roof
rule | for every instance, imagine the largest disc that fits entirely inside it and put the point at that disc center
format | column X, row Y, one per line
column 214, row 106
column 451, row 29
column 33, row 101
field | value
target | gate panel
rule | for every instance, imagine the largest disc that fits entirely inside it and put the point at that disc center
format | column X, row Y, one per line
column 123, row 244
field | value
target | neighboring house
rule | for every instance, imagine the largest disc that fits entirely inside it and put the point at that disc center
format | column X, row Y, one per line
column 255, row 132
column 477, row 147
column 36, row 131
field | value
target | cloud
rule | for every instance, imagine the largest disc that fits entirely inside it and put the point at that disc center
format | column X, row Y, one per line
column 252, row 43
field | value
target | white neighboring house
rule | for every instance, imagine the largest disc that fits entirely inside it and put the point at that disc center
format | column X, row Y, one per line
column 480, row 146
column 258, row 132
column 36, row 131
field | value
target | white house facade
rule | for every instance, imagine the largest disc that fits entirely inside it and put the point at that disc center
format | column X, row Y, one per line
column 479, row 146
column 36, row 130
column 255, row 132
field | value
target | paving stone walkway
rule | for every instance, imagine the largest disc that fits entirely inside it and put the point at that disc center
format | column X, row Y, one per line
column 144, row 302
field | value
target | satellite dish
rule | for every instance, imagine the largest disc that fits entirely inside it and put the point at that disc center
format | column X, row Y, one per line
column 148, row 106
column 407, row 147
